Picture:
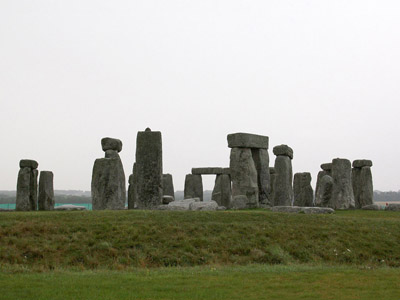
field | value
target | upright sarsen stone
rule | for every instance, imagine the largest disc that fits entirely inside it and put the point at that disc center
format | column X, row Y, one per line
column 362, row 183
column 193, row 187
column 326, row 170
column 303, row 192
column 261, row 161
column 324, row 195
column 149, row 169
column 46, row 191
column 27, row 186
column 342, row 193
column 283, row 187
column 272, row 178
column 168, row 185
column 222, row 193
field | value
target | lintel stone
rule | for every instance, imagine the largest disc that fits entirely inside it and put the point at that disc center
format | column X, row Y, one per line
column 359, row 163
column 247, row 140
column 284, row 150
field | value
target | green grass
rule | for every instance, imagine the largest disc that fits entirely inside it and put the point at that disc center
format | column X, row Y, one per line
column 122, row 240
column 246, row 282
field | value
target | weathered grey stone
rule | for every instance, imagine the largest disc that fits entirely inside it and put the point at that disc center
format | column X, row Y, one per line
column 149, row 169
column 393, row 207
column 326, row 167
column 247, row 140
column 69, row 207
column 362, row 186
column 318, row 185
column 239, row 202
column 359, row 163
column 342, row 193
column 167, row 199
column 222, row 193
column 305, row 210
column 324, row 194
column 205, row 206
column 272, row 179
column 26, row 189
column 244, row 175
column 28, row 163
column 132, row 189
column 111, row 154
column 108, row 184
column 221, row 208
column 46, row 191
column 261, row 161
column 182, row 204
column 283, row 150
column 371, row 207
column 272, row 170
column 283, row 188
column 193, row 187
column 226, row 171
column 302, row 190
column 111, row 144
column 168, row 185
column 208, row 171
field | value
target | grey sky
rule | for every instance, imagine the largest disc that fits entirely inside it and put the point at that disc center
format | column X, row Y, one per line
column 321, row 76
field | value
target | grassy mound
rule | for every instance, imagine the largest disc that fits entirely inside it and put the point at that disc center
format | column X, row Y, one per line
column 124, row 239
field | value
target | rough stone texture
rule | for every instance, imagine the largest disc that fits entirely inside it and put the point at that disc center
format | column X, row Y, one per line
column 167, row 199
column 221, row 208
column 393, row 207
column 149, row 169
column 359, row 163
column 28, row 163
column 342, row 192
column 284, row 150
column 46, row 191
column 222, row 193
column 239, row 202
column 206, row 206
column 111, row 144
column 26, row 189
column 111, row 154
column 362, row 186
column 69, row 207
column 208, row 171
column 108, row 184
column 302, row 190
column 132, row 189
column 324, row 194
column 193, row 187
column 283, row 189
column 272, row 179
column 168, row 185
column 305, row 210
column 244, row 175
column 326, row 167
column 247, row 140
column 372, row 207
column 261, row 161
column 318, row 185
column 182, row 204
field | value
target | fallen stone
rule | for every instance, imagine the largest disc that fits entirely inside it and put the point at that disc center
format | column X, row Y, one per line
column 326, row 167
column 372, row 207
column 359, row 163
column 283, row 188
column 111, row 144
column 305, row 210
column 244, row 176
column 193, row 187
column 28, row 163
column 182, row 204
column 393, row 207
column 302, row 190
column 261, row 161
column 342, row 193
column 222, row 192
column 46, row 191
column 247, row 140
column 167, row 199
column 168, row 185
column 283, row 150
column 209, row 206
column 69, row 207
column 207, row 171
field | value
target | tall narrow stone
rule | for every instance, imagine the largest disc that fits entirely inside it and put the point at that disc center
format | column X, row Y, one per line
column 108, row 178
column 261, row 161
column 193, row 187
column 362, row 183
column 132, row 189
column 27, row 186
column 272, row 178
column 342, row 193
column 324, row 195
column 303, row 192
column 168, row 185
column 149, row 169
column 326, row 170
column 222, row 193
column 283, row 187
column 46, row 191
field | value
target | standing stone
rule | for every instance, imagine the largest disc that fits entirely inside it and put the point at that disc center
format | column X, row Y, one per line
column 283, row 187
column 108, row 180
column 132, row 189
column 27, row 186
column 303, row 192
column 46, row 191
column 272, row 178
column 244, row 176
column 326, row 170
column 362, row 183
column 168, row 185
column 222, row 193
column 149, row 169
column 324, row 195
column 193, row 187
column 342, row 193
column 261, row 161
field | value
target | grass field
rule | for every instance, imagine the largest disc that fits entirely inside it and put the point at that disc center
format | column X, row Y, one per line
column 199, row 255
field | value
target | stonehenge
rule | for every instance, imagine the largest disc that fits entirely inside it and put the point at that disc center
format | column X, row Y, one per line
column 222, row 192
column 168, row 185
column 108, row 178
column 326, row 170
column 283, row 188
column 342, row 191
column 46, row 191
column 27, row 187
column 193, row 187
column 302, row 190
column 362, row 183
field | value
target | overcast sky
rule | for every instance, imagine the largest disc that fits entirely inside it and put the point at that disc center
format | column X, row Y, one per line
column 321, row 76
